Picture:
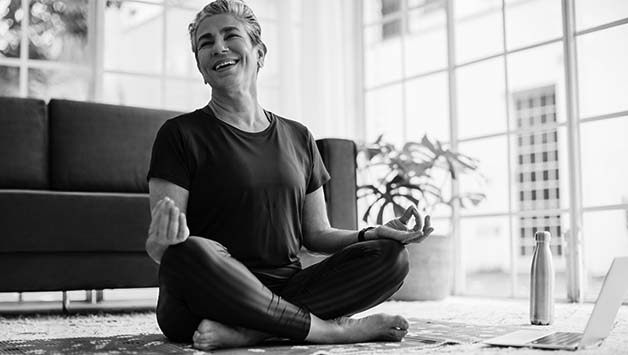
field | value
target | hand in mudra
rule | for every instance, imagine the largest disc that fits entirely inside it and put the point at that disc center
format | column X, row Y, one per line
column 398, row 230
column 168, row 225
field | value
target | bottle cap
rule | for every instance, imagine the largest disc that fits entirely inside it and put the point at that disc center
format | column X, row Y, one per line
column 542, row 236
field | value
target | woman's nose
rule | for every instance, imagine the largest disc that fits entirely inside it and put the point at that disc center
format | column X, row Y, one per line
column 219, row 47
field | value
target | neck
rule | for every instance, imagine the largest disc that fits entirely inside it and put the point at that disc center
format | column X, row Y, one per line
column 239, row 109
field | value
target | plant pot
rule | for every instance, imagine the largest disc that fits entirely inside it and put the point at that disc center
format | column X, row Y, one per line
column 430, row 274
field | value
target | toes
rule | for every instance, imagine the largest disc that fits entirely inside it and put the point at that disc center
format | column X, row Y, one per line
column 204, row 326
column 401, row 322
column 203, row 345
column 396, row 334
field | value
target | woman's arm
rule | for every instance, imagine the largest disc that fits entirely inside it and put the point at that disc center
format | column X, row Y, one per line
column 319, row 236
column 168, row 226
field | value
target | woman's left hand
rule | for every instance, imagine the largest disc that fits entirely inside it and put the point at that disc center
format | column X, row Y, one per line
column 398, row 230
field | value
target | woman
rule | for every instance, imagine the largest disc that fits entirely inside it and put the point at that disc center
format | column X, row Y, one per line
column 235, row 191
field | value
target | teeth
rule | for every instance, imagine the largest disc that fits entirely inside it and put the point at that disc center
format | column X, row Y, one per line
column 223, row 64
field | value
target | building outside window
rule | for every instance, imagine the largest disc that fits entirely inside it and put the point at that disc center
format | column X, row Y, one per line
column 538, row 185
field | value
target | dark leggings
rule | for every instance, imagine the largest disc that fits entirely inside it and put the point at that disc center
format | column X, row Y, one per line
column 199, row 280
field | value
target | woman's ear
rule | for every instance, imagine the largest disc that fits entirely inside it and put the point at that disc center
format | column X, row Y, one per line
column 260, row 58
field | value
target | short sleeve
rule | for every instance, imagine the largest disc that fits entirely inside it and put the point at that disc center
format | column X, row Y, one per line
column 169, row 157
column 318, row 173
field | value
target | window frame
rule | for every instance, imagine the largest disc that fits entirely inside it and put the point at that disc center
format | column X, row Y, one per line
column 572, row 123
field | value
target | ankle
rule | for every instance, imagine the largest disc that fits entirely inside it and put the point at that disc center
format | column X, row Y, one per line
column 324, row 331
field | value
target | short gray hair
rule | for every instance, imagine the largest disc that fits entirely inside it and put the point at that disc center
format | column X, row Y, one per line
column 236, row 8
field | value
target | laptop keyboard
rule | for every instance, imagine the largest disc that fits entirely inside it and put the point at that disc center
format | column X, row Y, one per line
column 559, row 338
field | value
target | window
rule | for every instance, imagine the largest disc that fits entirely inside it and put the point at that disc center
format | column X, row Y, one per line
column 139, row 55
column 511, row 111
column 57, row 39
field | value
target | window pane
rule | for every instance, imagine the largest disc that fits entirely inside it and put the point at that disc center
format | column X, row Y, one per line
column 382, row 57
column 593, row 13
column 521, row 31
column 427, row 107
column 59, row 84
column 131, row 90
column 186, row 95
column 133, row 37
column 11, row 15
column 492, row 154
column 9, row 81
column 57, row 30
column 605, row 235
column 540, row 170
column 264, row 9
column 486, row 256
column 538, row 69
column 524, row 228
column 383, row 114
column 478, row 29
column 602, row 71
column 180, row 59
column 481, row 106
column 426, row 41
column 273, row 61
column 375, row 10
column 604, row 172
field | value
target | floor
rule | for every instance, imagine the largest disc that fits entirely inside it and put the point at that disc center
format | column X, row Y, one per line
column 487, row 312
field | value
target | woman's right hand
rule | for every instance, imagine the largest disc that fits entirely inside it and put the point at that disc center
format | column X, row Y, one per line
column 168, row 225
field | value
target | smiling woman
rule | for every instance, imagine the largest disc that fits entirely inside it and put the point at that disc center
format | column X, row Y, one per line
column 235, row 192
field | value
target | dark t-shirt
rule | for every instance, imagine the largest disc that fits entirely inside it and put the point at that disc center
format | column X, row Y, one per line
column 246, row 190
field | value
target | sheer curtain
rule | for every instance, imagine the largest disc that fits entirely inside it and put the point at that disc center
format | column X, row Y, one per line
column 324, row 69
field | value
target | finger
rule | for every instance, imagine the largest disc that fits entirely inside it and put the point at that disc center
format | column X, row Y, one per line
column 408, row 213
column 428, row 224
column 173, row 224
column 184, row 232
column 417, row 238
column 429, row 231
column 163, row 216
column 419, row 222
column 156, row 208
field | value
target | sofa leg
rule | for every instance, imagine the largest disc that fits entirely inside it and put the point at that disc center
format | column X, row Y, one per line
column 93, row 296
column 65, row 301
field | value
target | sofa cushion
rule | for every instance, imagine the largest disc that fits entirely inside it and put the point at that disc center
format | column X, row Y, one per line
column 76, row 271
column 48, row 221
column 340, row 192
column 23, row 143
column 99, row 147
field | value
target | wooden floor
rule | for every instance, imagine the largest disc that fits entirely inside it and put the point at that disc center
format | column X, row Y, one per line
column 501, row 312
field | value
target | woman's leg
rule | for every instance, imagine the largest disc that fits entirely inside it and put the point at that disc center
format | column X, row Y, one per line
column 200, row 280
column 354, row 279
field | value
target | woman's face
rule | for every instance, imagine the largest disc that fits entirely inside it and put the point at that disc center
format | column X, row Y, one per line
column 226, row 57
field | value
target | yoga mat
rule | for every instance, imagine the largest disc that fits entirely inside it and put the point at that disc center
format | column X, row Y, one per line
column 422, row 334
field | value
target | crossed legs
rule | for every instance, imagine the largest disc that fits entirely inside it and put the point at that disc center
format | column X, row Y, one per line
column 202, row 287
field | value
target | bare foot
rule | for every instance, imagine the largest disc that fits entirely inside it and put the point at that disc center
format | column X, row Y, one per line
column 376, row 327
column 213, row 335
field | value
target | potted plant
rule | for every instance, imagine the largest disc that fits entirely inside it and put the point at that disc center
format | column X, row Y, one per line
column 419, row 173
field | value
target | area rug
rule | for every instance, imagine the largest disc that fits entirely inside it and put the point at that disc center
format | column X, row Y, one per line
column 422, row 334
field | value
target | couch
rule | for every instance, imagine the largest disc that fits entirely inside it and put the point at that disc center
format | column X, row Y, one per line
column 74, row 208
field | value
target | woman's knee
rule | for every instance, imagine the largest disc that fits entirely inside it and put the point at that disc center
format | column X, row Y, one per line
column 195, row 252
column 394, row 258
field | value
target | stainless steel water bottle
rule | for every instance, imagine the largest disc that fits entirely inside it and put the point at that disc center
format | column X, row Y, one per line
column 542, row 282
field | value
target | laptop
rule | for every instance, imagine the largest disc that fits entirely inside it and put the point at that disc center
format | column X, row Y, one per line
column 600, row 322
